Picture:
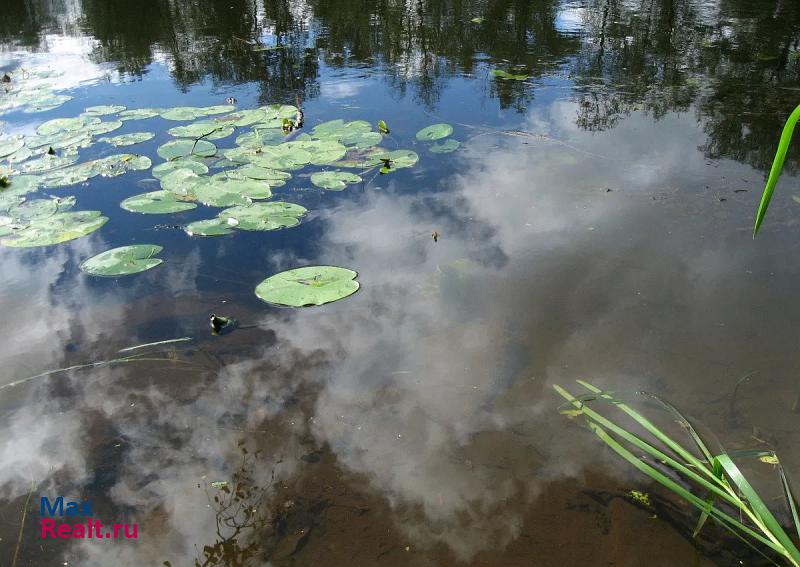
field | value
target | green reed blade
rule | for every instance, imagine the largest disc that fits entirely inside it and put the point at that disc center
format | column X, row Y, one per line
column 777, row 167
column 709, row 500
column 759, row 507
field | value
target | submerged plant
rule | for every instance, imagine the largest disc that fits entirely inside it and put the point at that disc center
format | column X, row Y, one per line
column 777, row 167
column 730, row 499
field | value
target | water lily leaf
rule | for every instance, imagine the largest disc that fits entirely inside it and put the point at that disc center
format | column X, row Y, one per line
column 362, row 140
column 246, row 117
column 156, row 203
column 259, row 138
column 47, row 163
column 123, row 261
column 59, row 125
column 434, row 132
column 312, row 285
column 164, row 169
column 210, row 227
column 119, row 164
column 259, row 173
column 181, row 113
column 215, row 195
column 9, row 146
column 181, row 182
column 103, row 127
column 129, row 139
column 216, row 109
column 20, row 155
column 140, row 114
column 69, row 175
column 334, row 180
column 282, row 110
column 55, row 229
column 500, row 74
column 207, row 130
column 104, row 110
column 182, row 148
column 396, row 159
column 264, row 216
column 445, row 146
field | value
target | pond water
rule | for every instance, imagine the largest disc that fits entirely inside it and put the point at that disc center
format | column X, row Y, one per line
column 594, row 223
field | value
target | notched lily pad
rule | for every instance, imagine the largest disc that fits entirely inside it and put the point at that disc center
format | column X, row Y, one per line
column 128, row 139
column 209, row 227
column 434, row 132
column 178, row 149
column 445, row 146
column 334, row 180
column 55, row 229
column 156, row 203
column 312, row 285
column 123, row 261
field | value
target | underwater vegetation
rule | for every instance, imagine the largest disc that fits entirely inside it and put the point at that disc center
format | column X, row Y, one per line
column 728, row 497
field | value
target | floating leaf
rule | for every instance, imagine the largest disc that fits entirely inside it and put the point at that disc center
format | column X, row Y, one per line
column 47, row 163
column 182, row 148
column 362, row 140
column 434, row 132
column 140, row 114
column 264, row 216
column 396, row 159
column 312, row 285
column 334, row 180
column 500, row 74
column 156, row 202
column 259, row 138
column 478, row 20
column 210, row 227
column 216, row 195
column 445, row 147
column 55, row 229
column 104, row 110
column 103, row 127
column 9, row 146
column 198, row 130
column 123, row 261
column 59, row 125
column 115, row 165
column 164, row 169
column 129, row 139
column 181, row 113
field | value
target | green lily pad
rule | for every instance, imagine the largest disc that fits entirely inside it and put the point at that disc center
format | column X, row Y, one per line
column 123, row 261
column 128, row 139
column 252, row 188
column 55, row 229
column 47, row 163
column 397, row 159
column 182, row 113
column 312, row 285
column 216, row 109
column 103, row 127
column 362, row 140
column 104, row 110
column 9, row 146
column 140, row 114
column 445, row 146
column 216, row 195
column 264, row 216
column 156, row 203
column 69, row 175
column 434, row 132
column 209, row 227
column 259, row 138
column 182, row 182
column 334, row 180
column 119, row 164
column 181, row 148
column 207, row 130
column 59, row 125
column 163, row 169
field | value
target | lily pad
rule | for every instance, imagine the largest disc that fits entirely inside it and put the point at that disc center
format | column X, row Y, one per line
column 164, row 169
column 103, row 127
column 396, row 159
column 9, row 146
column 123, row 261
column 264, row 216
column 207, row 130
column 445, row 146
column 58, row 125
column 129, row 139
column 104, row 110
column 334, row 180
column 209, row 227
column 55, row 229
column 434, row 132
column 215, row 195
column 182, row 148
column 156, row 203
column 140, row 114
column 182, row 113
column 312, row 285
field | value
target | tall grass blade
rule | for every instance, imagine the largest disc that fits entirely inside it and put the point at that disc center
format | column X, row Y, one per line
column 777, row 167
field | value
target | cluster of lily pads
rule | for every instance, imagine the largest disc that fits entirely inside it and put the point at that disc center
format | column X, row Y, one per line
column 29, row 90
column 268, row 149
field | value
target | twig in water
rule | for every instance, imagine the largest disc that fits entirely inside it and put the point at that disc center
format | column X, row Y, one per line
column 182, row 339
column 22, row 524
column 741, row 380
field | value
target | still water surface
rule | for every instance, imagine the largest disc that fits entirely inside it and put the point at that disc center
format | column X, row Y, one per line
column 595, row 224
